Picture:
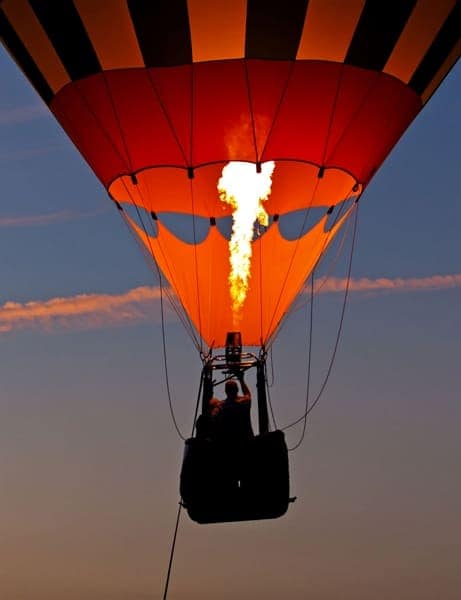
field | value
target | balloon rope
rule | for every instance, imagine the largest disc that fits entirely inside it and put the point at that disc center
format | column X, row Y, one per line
column 126, row 160
column 165, row 364
column 199, row 394
column 149, row 258
column 165, row 112
column 310, row 299
column 309, row 363
column 330, row 267
column 338, row 336
column 149, row 255
column 314, row 191
column 291, row 261
column 197, row 285
column 173, row 545
column 252, row 114
column 175, row 534
column 292, row 309
column 268, row 394
column 279, row 105
column 186, row 318
column 163, row 328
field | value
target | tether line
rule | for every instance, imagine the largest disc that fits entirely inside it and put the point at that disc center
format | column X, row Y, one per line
column 173, row 545
column 178, row 516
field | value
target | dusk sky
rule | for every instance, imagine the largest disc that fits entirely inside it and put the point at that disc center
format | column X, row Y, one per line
column 89, row 457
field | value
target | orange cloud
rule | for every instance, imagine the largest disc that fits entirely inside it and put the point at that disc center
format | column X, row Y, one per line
column 85, row 311
column 364, row 284
column 94, row 311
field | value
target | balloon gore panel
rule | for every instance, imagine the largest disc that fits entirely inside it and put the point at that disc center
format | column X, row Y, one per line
column 326, row 114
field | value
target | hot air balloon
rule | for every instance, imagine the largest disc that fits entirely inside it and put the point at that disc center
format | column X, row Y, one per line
column 251, row 109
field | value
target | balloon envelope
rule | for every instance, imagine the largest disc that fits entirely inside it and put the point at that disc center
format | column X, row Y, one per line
column 159, row 96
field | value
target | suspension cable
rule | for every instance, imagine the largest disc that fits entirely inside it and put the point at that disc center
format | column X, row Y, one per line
column 163, row 327
column 309, row 363
column 185, row 318
column 202, row 377
column 338, row 336
column 292, row 309
column 268, row 395
column 271, row 354
column 330, row 267
column 165, row 366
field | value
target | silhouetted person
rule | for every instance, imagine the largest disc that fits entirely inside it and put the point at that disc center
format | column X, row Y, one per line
column 232, row 416
column 232, row 432
column 206, row 422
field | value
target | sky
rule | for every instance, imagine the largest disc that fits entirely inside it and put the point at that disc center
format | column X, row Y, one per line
column 89, row 458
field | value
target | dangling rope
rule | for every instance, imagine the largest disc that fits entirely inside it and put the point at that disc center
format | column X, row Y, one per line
column 173, row 545
column 309, row 363
column 338, row 336
column 178, row 515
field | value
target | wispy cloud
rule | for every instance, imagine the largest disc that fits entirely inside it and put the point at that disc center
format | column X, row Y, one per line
column 16, row 115
column 22, row 114
column 20, row 154
column 364, row 284
column 46, row 219
column 95, row 311
column 84, row 311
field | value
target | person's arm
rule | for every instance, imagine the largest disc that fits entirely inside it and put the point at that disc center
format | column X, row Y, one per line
column 245, row 389
column 214, row 406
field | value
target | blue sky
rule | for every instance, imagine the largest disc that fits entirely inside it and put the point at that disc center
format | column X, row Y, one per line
column 89, row 461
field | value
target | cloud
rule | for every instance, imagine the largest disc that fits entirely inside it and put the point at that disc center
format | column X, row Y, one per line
column 22, row 114
column 25, row 153
column 95, row 311
column 364, row 284
column 15, row 115
column 84, row 311
column 46, row 219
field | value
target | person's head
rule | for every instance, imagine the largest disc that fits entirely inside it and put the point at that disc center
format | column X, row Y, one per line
column 231, row 389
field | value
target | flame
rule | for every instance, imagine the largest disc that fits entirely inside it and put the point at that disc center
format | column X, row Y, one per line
column 245, row 190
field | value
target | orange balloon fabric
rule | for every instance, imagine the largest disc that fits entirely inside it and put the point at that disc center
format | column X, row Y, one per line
column 199, row 275
column 159, row 96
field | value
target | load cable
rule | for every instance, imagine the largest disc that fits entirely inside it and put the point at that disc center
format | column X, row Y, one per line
column 180, row 506
column 338, row 335
column 148, row 254
column 330, row 268
column 292, row 309
column 163, row 328
column 268, row 395
column 309, row 364
column 165, row 366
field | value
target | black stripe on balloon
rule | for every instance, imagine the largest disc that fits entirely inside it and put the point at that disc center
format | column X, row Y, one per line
column 67, row 34
column 274, row 28
column 163, row 31
column 377, row 33
column 443, row 44
column 24, row 59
